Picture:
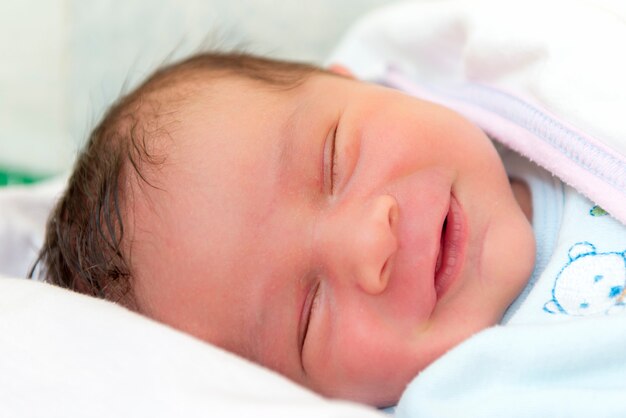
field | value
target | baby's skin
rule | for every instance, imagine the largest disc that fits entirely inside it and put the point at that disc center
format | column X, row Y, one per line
column 343, row 234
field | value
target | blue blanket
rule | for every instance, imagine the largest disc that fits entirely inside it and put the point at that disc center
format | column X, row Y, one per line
column 569, row 369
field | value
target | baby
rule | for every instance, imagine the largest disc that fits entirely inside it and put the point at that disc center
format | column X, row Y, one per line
column 341, row 233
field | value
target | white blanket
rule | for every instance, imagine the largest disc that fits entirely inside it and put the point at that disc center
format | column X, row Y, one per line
column 545, row 78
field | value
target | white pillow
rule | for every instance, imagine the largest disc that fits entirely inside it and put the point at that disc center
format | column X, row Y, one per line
column 67, row 355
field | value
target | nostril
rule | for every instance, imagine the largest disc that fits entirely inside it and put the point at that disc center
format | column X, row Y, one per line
column 385, row 274
column 383, row 271
column 393, row 216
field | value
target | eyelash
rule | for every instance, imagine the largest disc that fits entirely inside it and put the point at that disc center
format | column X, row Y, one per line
column 312, row 308
column 333, row 162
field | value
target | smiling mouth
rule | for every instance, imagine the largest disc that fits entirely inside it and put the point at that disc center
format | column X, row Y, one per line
column 441, row 245
column 452, row 245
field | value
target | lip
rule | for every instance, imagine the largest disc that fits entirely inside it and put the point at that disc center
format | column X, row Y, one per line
column 451, row 254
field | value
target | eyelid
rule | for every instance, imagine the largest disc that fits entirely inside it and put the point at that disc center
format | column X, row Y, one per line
column 333, row 163
column 329, row 161
column 305, row 315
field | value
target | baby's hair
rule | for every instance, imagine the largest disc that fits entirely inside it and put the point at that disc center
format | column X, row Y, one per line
column 84, row 246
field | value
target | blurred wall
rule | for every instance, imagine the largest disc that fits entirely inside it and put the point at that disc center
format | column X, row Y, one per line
column 64, row 61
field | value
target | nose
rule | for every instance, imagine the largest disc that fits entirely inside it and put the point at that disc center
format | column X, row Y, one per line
column 359, row 241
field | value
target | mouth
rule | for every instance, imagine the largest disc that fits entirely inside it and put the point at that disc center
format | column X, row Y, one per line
column 453, row 241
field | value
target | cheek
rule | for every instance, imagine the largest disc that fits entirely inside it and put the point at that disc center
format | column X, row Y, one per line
column 367, row 362
column 413, row 144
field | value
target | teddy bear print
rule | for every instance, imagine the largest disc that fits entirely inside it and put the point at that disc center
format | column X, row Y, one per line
column 589, row 283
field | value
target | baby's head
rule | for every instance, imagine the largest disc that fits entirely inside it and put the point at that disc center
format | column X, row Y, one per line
column 341, row 233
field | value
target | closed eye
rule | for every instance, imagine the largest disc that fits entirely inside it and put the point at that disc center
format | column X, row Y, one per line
column 309, row 307
column 333, row 168
column 330, row 161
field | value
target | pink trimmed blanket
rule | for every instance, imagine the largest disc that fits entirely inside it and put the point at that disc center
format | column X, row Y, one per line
column 544, row 78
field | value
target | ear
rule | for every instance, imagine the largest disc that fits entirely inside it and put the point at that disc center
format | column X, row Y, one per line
column 341, row 70
column 580, row 249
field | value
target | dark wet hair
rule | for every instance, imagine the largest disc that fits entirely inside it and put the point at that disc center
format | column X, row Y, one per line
column 85, row 246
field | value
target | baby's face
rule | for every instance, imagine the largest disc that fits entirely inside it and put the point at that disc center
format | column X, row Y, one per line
column 343, row 234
